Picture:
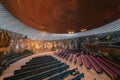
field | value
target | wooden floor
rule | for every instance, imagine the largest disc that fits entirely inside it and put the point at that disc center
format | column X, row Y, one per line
column 88, row 74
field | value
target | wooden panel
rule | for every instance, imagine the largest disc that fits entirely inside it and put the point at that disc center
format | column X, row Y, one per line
column 0, row 1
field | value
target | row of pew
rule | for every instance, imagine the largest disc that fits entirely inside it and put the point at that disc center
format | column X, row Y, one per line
column 100, row 64
column 43, row 68
column 10, row 58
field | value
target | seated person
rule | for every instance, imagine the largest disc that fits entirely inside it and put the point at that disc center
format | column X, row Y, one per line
column 76, row 72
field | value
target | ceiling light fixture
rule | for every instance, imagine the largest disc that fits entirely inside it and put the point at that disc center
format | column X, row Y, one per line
column 71, row 32
column 82, row 30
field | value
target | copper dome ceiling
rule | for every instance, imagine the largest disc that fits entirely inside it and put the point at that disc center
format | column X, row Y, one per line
column 62, row 16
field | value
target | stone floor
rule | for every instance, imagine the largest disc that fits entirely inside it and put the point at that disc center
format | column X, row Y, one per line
column 88, row 74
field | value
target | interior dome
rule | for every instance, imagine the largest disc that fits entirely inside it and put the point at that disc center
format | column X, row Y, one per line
column 62, row 16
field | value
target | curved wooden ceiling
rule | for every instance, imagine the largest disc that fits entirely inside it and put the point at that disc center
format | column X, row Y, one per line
column 62, row 16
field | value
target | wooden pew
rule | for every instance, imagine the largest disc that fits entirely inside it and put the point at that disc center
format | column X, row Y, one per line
column 46, row 74
column 106, row 69
column 61, row 75
column 111, row 62
column 67, row 57
column 31, row 64
column 71, row 57
column 33, row 72
column 80, row 60
column 78, row 77
column 95, row 66
column 75, row 58
column 40, row 61
column 35, row 66
column 114, row 69
column 65, row 54
column 86, row 62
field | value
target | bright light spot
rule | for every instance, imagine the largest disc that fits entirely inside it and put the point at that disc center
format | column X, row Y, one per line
column 71, row 32
column 82, row 30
